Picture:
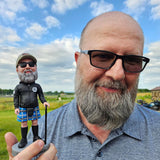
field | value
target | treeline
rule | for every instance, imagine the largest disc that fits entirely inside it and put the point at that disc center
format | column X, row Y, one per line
column 58, row 93
column 143, row 90
column 10, row 92
column 6, row 91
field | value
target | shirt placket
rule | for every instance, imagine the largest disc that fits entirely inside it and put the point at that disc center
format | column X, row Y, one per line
column 97, row 147
column 99, row 150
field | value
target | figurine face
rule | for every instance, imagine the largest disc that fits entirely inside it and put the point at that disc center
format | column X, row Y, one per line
column 27, row 71
column 27, row 68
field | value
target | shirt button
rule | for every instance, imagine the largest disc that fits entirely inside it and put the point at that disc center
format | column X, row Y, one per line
column 99, row 154
column 93, row 139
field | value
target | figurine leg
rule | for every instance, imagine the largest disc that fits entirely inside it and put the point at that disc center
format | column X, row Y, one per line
column 23, row 141
column 35, row 133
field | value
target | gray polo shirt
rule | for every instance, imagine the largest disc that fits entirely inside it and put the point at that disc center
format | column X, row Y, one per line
column 137, row 139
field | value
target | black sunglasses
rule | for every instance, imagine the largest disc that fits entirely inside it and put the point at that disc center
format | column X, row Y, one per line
column 105, row 60
column 24, row 64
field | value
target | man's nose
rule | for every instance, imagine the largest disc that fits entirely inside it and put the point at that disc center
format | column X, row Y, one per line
column 27, row 66
column 116, row 72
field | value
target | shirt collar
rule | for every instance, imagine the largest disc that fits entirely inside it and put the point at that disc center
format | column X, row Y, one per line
column 132, row 126
column 73, row 122
column 26, row 83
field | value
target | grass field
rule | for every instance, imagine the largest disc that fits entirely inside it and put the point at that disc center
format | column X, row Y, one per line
column 147, row 97
column 8, row 121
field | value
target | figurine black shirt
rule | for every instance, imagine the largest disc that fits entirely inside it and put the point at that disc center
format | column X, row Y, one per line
column 25, row 95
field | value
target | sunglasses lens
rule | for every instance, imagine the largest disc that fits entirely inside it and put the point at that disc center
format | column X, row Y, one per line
column 133, row 64
column 31, row 64
column 24, row 64
column 102, row 59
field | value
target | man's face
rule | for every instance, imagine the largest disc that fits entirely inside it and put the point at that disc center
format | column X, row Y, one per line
column 27, row 73
column 112, row 91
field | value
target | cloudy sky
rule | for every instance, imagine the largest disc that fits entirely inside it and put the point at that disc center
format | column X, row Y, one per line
column 50, row 30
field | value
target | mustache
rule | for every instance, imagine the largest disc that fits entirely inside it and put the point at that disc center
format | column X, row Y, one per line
column 26, row 70
column 111, row 84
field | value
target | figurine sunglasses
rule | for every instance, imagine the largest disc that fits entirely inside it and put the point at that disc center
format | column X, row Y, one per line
column 24, row 64
column 105, row 60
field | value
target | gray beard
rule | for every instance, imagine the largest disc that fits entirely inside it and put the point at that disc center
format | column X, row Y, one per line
column 107, row 110
column 28, row 77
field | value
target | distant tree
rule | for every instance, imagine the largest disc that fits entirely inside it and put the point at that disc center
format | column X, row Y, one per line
column 6, row 91
column 55, row 92
column 143, row 90
column 49, row 93
column 61, row 92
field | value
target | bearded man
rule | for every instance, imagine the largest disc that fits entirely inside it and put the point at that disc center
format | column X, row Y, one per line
column 103, row 121
column 25, row 96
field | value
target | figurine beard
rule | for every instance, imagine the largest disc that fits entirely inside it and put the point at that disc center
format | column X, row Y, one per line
column 28, row 77
column 107, row 110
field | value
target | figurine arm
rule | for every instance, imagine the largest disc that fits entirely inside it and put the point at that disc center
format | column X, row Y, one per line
column 41, row 95
column 16, row 97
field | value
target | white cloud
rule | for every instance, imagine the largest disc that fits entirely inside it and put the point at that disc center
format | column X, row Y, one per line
column 100, row 7
column 35, row 31
column 52, row 22
column 9, row 8
column 58, row 52
column 41, row 4
column 8, row 56
column 154, row 2
column 55, row 64
column 150, row 76
column 155, row 9
column 61, row 6
column 153, row 54
column 135, row 7
column 8, row 35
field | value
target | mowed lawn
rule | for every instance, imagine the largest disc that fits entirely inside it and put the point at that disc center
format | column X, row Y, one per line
column 8, row 122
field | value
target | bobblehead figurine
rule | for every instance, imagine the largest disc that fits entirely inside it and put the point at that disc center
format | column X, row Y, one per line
column 25, row 96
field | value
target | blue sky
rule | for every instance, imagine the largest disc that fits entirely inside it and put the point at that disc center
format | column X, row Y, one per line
column 50, row 30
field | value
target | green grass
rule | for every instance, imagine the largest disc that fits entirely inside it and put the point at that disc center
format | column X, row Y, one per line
column 147, row 97
column 6, row 103
column 8, row 122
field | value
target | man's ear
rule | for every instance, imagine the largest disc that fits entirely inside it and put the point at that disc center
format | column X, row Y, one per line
column 16, row 69
column 76, row 56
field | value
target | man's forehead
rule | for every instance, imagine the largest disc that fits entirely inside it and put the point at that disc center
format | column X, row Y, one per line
column 108, row 22
column 111, row 24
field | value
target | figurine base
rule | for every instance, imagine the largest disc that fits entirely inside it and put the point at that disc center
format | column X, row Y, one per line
column 16, row 149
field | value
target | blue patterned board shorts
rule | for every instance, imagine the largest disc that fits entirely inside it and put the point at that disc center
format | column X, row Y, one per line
column 22, row 116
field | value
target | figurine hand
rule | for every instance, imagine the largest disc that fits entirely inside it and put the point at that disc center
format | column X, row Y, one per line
column 17, row 111
column 31, row 151
column 46, row 104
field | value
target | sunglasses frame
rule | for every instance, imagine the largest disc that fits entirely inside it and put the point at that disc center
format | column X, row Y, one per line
column 29, row 63
column 144, row 59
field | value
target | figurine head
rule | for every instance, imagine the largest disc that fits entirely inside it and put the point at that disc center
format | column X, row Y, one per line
column 26, row 67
